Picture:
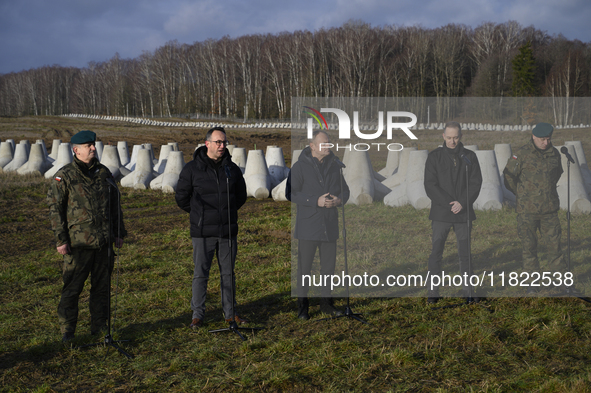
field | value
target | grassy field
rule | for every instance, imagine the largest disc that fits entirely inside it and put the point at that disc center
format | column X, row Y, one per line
column 502, row 345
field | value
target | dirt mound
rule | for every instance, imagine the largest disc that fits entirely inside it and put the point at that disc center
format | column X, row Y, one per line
column 55, row 133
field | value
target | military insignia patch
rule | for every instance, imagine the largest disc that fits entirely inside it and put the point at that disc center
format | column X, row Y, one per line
column 514, row 157
column 58, row 178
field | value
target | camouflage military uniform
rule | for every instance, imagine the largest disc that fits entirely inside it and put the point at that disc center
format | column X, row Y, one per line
column 79, row 200
column 532, row 174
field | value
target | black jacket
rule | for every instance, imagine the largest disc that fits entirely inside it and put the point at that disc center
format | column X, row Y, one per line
column 307, row 181
column 202, row 191
column 445, row 182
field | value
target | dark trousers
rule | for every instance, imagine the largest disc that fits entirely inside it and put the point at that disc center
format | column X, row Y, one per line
column 306, row 252
column 78, row 265
column 204, row 250
column 549, row 227
column 440, row 232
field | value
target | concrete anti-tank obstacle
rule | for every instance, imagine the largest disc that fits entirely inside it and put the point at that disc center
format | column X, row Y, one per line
column 359, row 177
column 161, row 164
column 47, row 158
column 64, row 157
column 98, row 145
column 134, row 152
column 579, row 200
column 148, row 147
column 175, row 146
column 256, row 175
column 37, row 163
column 6, row 154
column 168, row 181
column 143, row 174
column 13, row 144
column 276, row 165
column 55, row 148
column 111, row 160
column 230, row 148
column 400, row 175
column 278, row 192
column 415, row 180
column 21, row 156
column 391, row 163
column 239, row 158
column 123, row 153
column 585, row 172
column 503, row 153
column 491, row 193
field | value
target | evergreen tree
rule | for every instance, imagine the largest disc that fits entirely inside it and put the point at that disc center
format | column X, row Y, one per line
column 524, row 72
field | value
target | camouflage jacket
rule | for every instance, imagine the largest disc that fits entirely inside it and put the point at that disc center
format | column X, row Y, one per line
column 532, row 175
column 78, row 200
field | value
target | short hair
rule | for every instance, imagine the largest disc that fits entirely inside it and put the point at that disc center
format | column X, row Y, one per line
column 211, row 130
column 453, row 124
column 315, row 134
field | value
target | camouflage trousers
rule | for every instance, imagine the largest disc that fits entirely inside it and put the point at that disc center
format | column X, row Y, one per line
column 77, row 266
column 549, row 227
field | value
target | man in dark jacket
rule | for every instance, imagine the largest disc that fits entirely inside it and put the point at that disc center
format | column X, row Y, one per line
column 203, row 190
column 314, row 184
column 532, row 174
column 451, row 199
column 85, row 215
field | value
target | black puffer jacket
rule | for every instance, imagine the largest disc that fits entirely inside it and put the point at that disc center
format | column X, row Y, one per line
column 445, row 182
column 202, row 192
column 307, row 181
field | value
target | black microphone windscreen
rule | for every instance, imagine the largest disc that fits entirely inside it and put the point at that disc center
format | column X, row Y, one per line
column 564, row 149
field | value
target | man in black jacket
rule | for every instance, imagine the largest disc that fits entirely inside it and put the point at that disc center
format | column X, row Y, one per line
column 202, row 191
column 314, row 184
column 451, row 199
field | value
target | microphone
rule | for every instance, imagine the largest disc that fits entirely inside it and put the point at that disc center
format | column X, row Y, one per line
column 228, row 173
column 466, row 160
column 564, row 150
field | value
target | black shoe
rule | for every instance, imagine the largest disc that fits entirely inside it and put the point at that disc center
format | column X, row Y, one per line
column 473, row 299
column 433, row 300
column 67, row 336
column 303, row 305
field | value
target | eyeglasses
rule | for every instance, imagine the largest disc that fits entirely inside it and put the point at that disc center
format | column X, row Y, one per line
column 219, row 143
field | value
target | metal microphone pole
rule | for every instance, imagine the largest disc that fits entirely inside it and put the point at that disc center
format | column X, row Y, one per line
column 233, row 327
column 108, row 340
column 470, row 299
column 569, row 159
column 348, row 312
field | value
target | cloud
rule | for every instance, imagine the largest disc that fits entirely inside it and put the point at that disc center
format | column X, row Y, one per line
column 73, row 32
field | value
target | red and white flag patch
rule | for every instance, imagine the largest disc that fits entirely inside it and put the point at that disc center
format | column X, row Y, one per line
column 58, row 178
column 514, row 157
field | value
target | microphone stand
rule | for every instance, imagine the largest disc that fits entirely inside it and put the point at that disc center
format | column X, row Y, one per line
column 568, row 291
column 348, row 312
column 108, row 339
column 470, row 299
column 233, row 327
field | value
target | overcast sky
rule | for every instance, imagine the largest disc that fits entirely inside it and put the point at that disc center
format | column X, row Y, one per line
column 34, row 33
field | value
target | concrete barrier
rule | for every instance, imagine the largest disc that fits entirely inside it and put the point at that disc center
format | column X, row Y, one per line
column 21, row 156
column 579, row 200
column 256, row 175
column 6, row 154
column 491, row 193
column 64, row 157
column 143, row 174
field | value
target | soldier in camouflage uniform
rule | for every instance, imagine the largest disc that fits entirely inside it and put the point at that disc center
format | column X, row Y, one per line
column 532, row 174
column 84, row 205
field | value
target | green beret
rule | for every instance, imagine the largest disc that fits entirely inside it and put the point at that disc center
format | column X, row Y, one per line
column 543, row 130
column 83, row 137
